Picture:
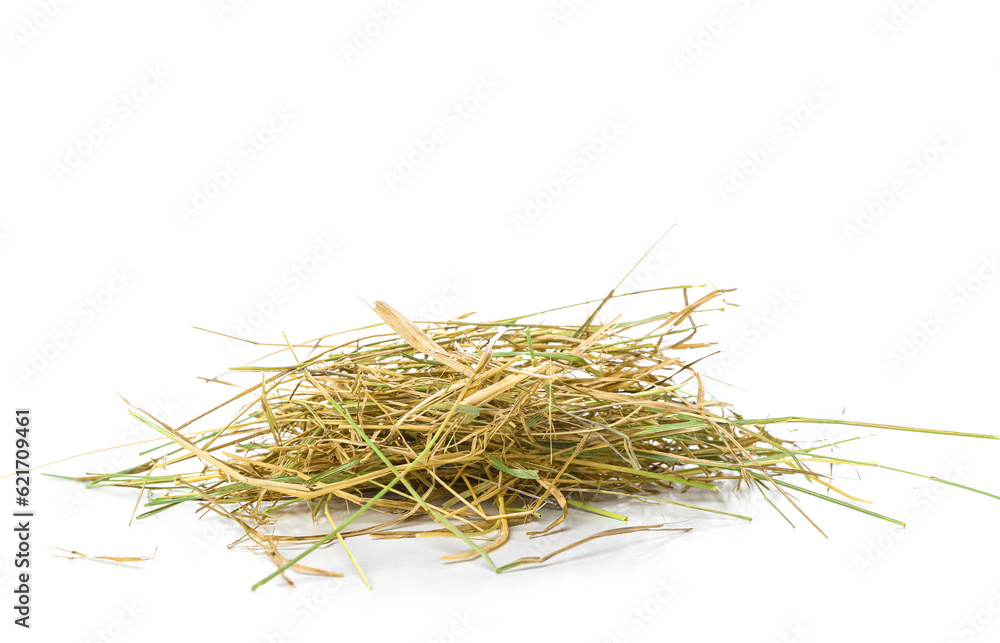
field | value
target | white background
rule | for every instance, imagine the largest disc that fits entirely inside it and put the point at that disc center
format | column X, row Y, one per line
column 831, row 306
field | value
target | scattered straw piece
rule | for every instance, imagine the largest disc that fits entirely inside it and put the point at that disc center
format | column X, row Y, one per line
column 114, row 559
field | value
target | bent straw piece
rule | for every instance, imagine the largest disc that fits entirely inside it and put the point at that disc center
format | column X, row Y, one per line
column 534, row 560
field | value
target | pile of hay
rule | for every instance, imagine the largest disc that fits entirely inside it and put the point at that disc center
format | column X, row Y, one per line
column 477, row 426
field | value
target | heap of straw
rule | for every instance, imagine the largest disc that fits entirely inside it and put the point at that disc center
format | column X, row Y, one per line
column 478, row 426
